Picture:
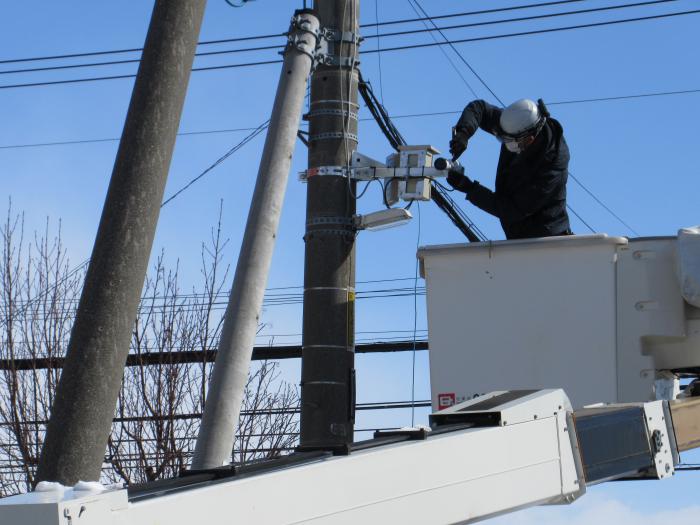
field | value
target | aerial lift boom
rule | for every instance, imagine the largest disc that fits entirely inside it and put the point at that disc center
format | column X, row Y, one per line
column 491, row 455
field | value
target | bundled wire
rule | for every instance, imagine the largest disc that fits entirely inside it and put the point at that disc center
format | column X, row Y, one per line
column 380, row 115
column 440, row 196
column 456, row 215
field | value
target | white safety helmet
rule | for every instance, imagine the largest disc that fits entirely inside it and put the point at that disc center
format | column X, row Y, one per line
column 523, row 118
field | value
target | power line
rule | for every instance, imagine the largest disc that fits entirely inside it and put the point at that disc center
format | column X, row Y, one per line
column 133, row 49
column 595, row 198
column 581, row 219
column 459, row 55
column 218, row 161
column 371, row 51
column 445, row 54
column 473, row 13
column 624, row 97
column 377, row 35
column 221, row 159
column 116, row 139
column 365, row 119
column 134, row 60
column 538, row 31
column 117, row 77
column 519, row 19
column 279, row 35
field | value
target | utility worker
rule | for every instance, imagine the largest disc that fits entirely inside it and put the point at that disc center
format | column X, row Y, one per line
column 530, row 196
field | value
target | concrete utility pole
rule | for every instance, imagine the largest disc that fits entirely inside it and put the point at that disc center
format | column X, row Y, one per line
column 223, row 404
column 328, row 344
column 81, row 416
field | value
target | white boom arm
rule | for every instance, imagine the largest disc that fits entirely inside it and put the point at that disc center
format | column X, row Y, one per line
column 488, row 456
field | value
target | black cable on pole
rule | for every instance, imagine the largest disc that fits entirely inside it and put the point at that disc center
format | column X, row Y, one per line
column 439, row 198
column 396, row 139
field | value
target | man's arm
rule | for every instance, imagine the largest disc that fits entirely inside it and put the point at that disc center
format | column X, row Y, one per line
column 477, row 114
column 529, row 200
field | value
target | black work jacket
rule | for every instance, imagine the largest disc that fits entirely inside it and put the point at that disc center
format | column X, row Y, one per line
column 530, row 196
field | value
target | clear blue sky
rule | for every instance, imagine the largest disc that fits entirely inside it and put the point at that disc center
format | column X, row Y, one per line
column 637, row 156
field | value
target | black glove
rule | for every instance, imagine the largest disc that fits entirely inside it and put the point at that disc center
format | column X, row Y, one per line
column 458, row 144
column 459, row 181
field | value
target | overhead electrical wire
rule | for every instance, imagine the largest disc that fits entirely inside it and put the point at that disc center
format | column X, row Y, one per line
column 134, row 60
column 218, row 161
column 459, row 55
column 379, row 55
column 278, row 35
column 445, row 54
column 134, row 49
column 415, row 323
column 220, row 298
column 377, row 35
column 474, row 13
column 579, row 217
column 221, row 159
column 371, row 51
column 538, row 31
column 518, row 19
column 364, row 119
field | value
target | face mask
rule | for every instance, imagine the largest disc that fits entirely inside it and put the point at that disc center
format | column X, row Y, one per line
column 513, row 147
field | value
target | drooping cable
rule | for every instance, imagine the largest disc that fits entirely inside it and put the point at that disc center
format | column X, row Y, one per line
column 218, row 161
column 590, row 228
column 379, row 55
column 415, row 327
column 603, row 205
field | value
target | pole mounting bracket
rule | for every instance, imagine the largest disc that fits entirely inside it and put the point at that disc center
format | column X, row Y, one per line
column 329, row 44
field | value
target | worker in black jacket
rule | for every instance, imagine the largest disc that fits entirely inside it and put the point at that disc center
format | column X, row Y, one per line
column 530, row 196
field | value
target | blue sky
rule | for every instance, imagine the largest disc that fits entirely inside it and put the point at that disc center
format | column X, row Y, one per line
column 637, row 156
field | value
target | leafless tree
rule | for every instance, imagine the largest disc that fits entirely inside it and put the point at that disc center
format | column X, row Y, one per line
column 158, row 412
column 37, row 301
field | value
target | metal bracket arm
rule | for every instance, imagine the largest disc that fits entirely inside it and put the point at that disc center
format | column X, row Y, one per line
column 373, row 172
